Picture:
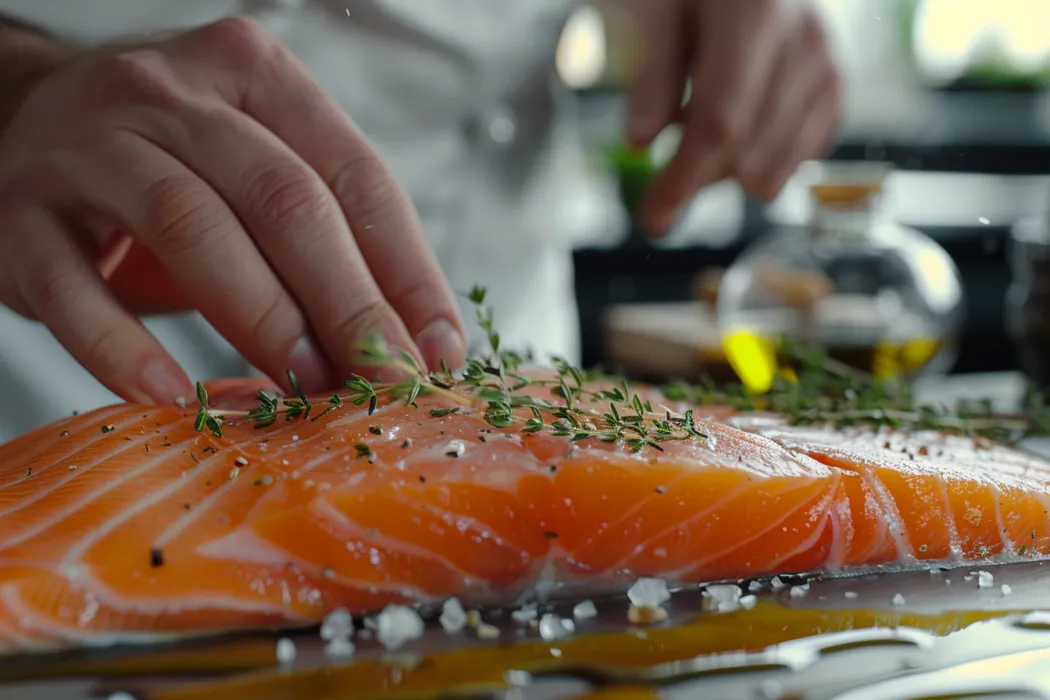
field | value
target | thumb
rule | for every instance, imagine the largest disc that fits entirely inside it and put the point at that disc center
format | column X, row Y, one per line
column 657, row 80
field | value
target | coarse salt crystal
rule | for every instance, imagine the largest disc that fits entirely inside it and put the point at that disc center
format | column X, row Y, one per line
column 850, row 594
column 726, row 597
column 295, row 438
column 339, row 624
column 898, row 599
column 754, row 586
column 555, row 653
column 984, row 579
column 487, row 631
column 776, row 583
column 180, row 402
column 748, row 602
column 554, row 627
column 240, row 461
column 285, row 651
column 1005, row 588
column 651, row 592
column 799, row 591
column 398, row 625
column 584, row 610
column 453, row 617
column 525, row 614
column 234, row 473
column 340, row 648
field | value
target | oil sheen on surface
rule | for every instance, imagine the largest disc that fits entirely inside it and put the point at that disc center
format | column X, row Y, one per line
column 842, row 637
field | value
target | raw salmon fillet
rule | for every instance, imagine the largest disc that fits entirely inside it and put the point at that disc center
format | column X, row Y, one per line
column 127, row 525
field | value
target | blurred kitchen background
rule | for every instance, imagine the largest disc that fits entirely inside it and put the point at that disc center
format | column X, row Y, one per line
column 950, row 92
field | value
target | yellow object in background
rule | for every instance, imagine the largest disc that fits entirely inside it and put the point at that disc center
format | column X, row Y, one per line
column 755, row 359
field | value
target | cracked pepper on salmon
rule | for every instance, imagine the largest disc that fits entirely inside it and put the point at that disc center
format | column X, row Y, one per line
column 128, row 525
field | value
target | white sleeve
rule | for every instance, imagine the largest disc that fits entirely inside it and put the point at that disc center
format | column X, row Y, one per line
column 98, row 21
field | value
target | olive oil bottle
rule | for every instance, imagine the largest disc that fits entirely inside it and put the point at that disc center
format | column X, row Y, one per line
column 878, row 296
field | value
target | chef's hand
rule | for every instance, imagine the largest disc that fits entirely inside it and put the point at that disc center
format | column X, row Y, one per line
column 207, row 171
column 764, row 98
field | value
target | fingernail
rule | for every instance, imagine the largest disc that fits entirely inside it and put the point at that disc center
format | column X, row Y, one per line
column 441, row 341
column 164, row 383
column 309, row 364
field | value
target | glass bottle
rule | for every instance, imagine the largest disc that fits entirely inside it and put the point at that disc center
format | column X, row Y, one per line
column 879, row 296
column 1028, row 298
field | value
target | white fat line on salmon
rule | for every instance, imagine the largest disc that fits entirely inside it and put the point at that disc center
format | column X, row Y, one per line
column 244, row 546
column 28, row 532
column 147, row 501
column 108, row 602
column 824, row 498
column 892, row 516
column 1004, row 534
column 954, row 541
column 104, row 419
column 346, row 529
column 694, row 517
column 47, row 627
column 186, row 519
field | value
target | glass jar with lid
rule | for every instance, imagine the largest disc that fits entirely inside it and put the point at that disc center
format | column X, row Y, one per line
column 877, row 295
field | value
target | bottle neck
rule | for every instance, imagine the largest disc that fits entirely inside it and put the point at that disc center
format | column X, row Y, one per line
column 844, row 221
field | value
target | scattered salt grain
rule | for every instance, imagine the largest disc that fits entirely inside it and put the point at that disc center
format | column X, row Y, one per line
column 525, row 614
column 584, row 610
column 285, row 651
column 517, row 679
column 72, row 467
column 748, row 602
column 453, row 617
column 240, row 461
column 181, row 402
column 850, row 594
column 1005, row 588
column 651, row 592
column 776, row 583
column 266, row 480
column 397, row 625
column 754, row 586
column 799, row 591
column 339, row 624
column 554, row 627
column 340, row 649
column 295, row 438
column 724, row 597
column 487, row 631
column 555, row 653
column 967, row 578
column 898, row 599
column 234, row 473
column 984, row 579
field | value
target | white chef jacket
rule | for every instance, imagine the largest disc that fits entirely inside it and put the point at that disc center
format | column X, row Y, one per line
column 461, row 99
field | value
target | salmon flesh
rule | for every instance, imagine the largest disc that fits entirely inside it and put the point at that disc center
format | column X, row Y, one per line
column 128, row 525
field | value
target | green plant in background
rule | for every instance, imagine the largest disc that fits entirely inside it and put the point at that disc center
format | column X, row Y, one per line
column 990, row 68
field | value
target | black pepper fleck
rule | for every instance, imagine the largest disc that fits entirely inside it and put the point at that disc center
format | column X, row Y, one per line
column 375, row 430
column 156, row 557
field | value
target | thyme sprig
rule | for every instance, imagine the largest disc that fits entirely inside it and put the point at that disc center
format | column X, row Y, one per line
column 493, row 385
column 585, row 406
